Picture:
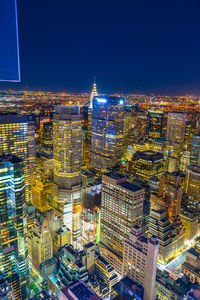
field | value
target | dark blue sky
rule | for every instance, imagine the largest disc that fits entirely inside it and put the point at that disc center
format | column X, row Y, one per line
column 138, row 46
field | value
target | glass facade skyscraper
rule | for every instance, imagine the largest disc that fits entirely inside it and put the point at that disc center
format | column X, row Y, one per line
column 67, row 154
column 107, row 132
column 13, row 242
column 154, row 124
column 195, row 150
column 17, row 136
column 176, row 125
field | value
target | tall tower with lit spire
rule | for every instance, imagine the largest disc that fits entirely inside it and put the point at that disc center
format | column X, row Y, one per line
column 87, row 146
column 94, row 93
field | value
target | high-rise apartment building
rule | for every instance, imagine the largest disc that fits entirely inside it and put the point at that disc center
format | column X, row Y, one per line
column 121, row 208
column 195, row 150
column 140, row 260
column 107, row 132
column 17, row 137
column 176, row 124
column 13, row 240
column 67, row 154
column 154, row 124
column 41, row 241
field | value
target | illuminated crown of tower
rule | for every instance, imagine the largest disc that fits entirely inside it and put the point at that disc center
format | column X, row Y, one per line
column 93, row 94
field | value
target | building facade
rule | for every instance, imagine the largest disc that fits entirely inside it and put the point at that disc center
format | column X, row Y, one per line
column 121, row 208
column 176, row 125
column 170, row 240
column 13, row 239
column 107, row 132
column 140, row 260
column 67, row 154
column 17, row 137
column 41, row 241
column 154, row 124
column 146, row 164
column 195, row 150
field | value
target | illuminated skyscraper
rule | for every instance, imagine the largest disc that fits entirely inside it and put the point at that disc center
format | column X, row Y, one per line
column 87, row 146
column 91, row 200
column 47, row 140
column 176, row 124
column 17, row 136
column 40, row 192
column 154, row 124
column 67, row 154
column 41, row 241
column 140, row 260
column 192, row 186
column 107, row 132
column 145, row 164
column 169, row 195
column 121, row 208
column 93, row 94
column 170, row 241
column 13, row 241
column 195, row 150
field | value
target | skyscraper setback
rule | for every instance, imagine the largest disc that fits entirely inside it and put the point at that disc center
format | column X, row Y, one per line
column 67, row 154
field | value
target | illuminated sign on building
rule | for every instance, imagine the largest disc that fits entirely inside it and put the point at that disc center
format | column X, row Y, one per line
column 101, row 100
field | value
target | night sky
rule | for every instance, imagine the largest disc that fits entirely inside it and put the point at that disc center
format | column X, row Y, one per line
column 138, row 46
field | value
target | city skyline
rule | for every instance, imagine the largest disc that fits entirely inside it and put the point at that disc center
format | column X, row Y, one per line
column 99, row 163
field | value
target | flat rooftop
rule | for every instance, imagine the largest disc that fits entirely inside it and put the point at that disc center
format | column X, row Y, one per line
column 115, row 176
column 81, row 290
column 10, row 158
column 130, row 186
column 89, row 245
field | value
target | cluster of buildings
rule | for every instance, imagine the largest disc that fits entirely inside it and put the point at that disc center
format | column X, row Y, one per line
column 100, row 201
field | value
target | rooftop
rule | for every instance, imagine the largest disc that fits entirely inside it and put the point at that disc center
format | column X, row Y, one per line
column 4, row 287
column 115, row 176
column 179, row 286
column 130, row 186
column 10, row 158
column 43, row 295
column 14, row 118
column 81, row 291
column 89, row 245
column 148, row 156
